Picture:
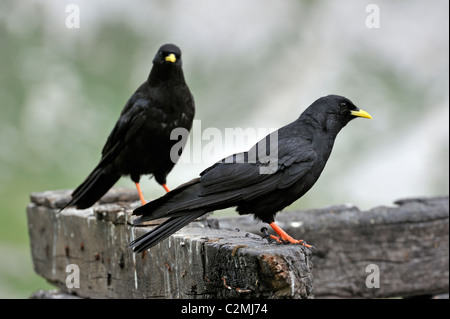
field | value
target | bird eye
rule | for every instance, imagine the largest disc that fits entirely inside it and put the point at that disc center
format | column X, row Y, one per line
column 343, row 104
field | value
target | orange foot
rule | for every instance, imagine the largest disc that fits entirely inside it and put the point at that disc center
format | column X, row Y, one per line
column 141, row 196
column 284, row 238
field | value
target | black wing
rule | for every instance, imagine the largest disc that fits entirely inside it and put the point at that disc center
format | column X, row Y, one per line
column 227, row 183
column 282, row 167
column 133, row 116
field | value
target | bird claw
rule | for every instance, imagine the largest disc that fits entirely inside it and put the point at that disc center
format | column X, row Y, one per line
column 267, row 236
column 271, row 238
column 279, row 241
column 313, row 249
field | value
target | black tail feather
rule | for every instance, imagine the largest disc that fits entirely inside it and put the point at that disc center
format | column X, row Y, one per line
column 163, row 231
column 92, row 189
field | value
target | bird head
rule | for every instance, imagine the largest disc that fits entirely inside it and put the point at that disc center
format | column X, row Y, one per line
column 168, row 54
column 333, row 112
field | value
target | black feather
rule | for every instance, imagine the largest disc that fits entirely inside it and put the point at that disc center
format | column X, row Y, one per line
column 163, row 231
column 140, row 141
column 302, row 150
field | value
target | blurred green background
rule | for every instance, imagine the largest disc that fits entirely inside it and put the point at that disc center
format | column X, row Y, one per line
column 250, row 64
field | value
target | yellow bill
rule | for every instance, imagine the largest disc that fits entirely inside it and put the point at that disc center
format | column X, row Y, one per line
column 171, row 58
column 361, row 113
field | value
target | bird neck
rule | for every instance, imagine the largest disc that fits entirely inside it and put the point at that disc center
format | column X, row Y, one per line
column 321, row 124
column 166, row 74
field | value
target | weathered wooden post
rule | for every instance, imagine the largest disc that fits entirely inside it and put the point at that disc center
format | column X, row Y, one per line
column 405, row 247
column 196, row 262
column 388, row 251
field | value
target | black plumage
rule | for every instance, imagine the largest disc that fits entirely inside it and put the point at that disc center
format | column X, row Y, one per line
column 292, row 165
column 140, row 142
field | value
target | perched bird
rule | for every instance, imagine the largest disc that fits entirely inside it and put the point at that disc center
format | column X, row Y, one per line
column 256, row 182
column 140, row 141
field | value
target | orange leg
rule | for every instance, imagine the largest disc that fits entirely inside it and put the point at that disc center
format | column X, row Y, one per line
column 141, row 196
column 284, row 237
column 166, row 188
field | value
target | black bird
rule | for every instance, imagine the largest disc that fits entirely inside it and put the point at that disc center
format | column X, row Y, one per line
column 273, row 174
column 140, row 142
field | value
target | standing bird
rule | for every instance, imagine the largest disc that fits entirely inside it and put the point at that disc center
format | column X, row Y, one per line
column 245, row 180
column 140, row 142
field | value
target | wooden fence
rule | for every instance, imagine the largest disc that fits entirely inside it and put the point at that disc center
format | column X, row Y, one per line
column 399, row 250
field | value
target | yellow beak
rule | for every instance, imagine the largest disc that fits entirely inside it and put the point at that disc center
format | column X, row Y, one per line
column 171, row 58
column 361, row 113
